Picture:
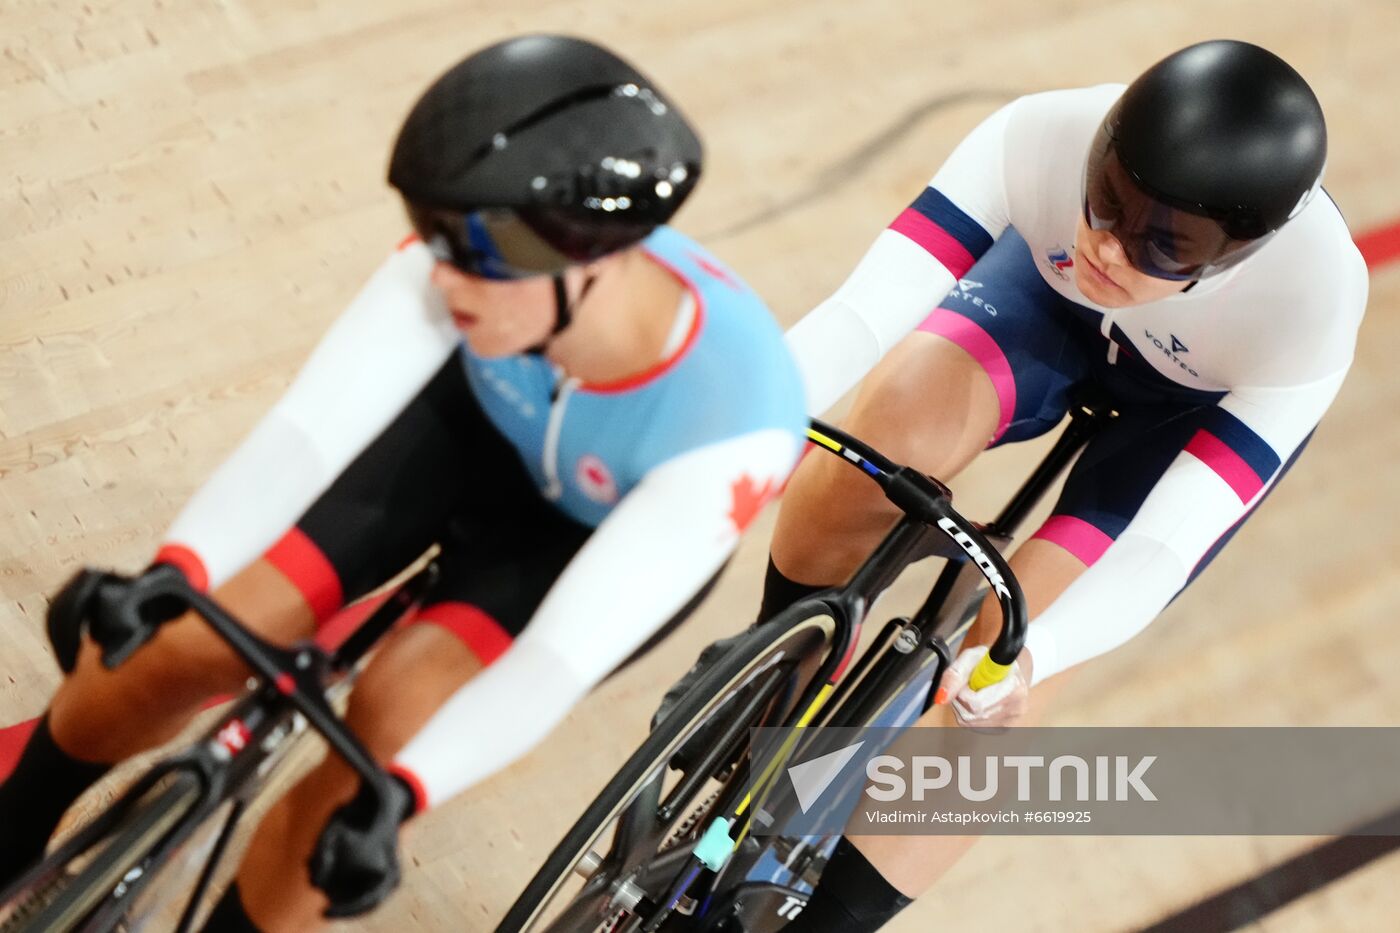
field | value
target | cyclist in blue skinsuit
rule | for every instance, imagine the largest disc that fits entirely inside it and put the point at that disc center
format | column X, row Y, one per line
column 580, row 407
column 614, row 434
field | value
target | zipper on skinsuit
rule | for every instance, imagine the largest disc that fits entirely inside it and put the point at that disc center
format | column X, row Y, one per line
column 563, row 389
column 1106, row 328
column 554, row 488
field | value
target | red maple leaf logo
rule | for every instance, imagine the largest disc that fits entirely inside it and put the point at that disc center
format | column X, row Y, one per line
column 749, row 499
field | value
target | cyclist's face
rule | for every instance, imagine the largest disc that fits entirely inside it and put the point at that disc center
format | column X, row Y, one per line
column 1104, row 275
column 498, row 317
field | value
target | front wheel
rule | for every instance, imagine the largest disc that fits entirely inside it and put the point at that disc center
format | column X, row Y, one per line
column 656, row 812
column 110, row 864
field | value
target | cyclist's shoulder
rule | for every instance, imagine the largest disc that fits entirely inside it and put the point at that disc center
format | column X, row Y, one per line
column 410, row 259
column 718, row 288
column 1310, row 280
column 1042, row 138
column 1318, row 246
column 1093, row 100
column 1288, row 317
column 729, row 374
column 404, row 269
column 738, row 350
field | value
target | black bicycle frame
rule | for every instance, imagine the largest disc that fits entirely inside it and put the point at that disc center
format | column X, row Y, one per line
column 939, row 620
column 929, row 527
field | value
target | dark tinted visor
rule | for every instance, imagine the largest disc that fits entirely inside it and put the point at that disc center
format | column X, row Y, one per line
column 1159, row 239
column 489, row 243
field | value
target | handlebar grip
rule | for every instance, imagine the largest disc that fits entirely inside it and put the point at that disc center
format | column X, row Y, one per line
column 988, row 672
column 67, row 616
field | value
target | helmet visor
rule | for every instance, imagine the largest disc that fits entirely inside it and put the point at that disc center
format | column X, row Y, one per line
column 489, row 243
column 1160, row 239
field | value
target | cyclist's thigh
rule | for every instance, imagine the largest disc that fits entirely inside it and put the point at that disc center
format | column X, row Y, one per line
column 499, row 559
column 396, row 498
column 383, row 510
column 1005, row 317
column 992, row 364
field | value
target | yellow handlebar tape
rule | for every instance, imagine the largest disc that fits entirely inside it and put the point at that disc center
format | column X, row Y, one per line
column 987, row 672
column 814, row 435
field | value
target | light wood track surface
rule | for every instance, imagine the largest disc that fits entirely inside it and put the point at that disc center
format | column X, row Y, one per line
column 193, row 190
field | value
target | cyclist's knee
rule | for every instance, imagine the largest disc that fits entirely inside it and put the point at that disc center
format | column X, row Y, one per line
column 184, row 664
column 106, row 715
column 1044, row 570
column 831, row 517
column 417, row 670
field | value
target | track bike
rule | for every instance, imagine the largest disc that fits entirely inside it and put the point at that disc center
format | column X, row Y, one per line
column 94, row 881
column 669, row 844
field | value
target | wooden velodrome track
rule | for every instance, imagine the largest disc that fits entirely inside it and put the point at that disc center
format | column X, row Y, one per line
column 192, row 191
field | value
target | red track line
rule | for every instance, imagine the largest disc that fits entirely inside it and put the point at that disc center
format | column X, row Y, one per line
column 1380, row 245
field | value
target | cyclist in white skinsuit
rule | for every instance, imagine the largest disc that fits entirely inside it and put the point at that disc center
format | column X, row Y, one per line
column 1191, row 267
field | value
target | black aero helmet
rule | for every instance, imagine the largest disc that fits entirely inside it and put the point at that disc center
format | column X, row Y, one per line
column 1204, row 157
column 541, row 152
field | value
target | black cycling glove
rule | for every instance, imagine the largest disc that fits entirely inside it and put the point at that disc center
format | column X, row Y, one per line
column 119, row 613
column 356, row 859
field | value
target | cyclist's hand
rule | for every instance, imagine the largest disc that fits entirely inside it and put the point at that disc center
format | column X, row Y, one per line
column 119, row 613
column 356, row 860
column 995, row 706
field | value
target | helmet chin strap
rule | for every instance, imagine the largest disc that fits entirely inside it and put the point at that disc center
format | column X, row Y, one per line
column 563, row 309
column 563, row 313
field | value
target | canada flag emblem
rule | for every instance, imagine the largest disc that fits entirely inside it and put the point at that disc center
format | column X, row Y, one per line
column 595, row 479
column 748, row 499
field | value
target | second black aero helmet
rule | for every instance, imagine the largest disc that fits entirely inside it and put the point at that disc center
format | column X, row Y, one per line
column 540, row 152
column 1204, row 157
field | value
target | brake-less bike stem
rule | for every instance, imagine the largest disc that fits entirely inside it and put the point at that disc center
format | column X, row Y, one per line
column 927, row 500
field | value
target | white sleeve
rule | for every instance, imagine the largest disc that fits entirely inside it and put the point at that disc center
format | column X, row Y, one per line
column 656, row 549
column 909, row 268
column 894, row 287
column 380, row 352
column 1207, row 489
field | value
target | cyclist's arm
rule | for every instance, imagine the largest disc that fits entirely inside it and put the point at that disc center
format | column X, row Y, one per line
column 657, row 548
column 909, row 268
column 374, row 359
column 1212, row 485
